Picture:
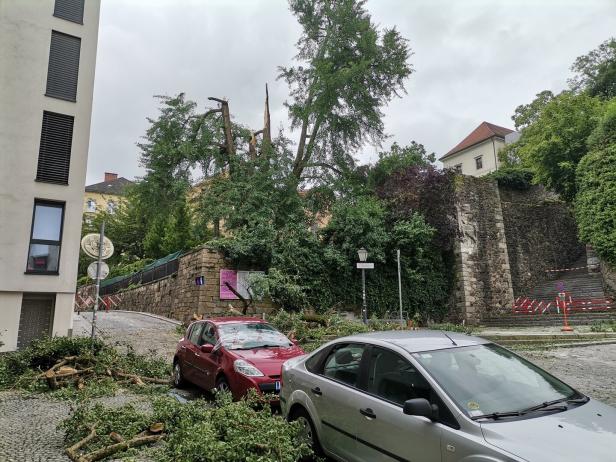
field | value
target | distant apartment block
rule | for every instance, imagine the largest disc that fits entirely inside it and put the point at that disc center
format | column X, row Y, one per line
column 477, row 154
column 47, row 61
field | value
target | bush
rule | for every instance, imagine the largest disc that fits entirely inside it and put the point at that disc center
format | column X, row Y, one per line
column 513, row 178
column 198, row 431
column 595, row 203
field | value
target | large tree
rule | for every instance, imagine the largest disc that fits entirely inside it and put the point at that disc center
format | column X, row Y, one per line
column 595, row 72
column 348, row 71
column 553, row 145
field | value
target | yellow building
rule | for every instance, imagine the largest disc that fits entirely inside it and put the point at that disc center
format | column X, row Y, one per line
column 106, row 195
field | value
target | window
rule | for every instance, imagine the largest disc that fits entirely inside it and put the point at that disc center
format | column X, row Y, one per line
column 63, row 66
column 71, row 10
column 111, row 207
column 91, row 205
column 342, row 363
column 457, row 168
column 479, row 162
column 45, row 237
column 209, row 335
column 195, row 333
column 55, row 148
column 395, row 379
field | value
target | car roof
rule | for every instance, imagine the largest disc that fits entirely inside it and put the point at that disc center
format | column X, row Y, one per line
column 234, row 319
column 414, row 341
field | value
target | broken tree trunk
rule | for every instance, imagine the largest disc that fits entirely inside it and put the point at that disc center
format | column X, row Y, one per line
column 137, row 378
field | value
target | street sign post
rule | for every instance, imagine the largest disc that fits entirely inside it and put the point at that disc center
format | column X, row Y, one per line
column 364, row 265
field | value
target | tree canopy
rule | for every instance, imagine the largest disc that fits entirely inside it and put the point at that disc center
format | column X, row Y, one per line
column 347, row 71
column 595, row 72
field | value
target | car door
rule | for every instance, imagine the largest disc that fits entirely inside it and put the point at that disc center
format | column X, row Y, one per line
column 384, row 432
column 207, row 364
column 334, row 393
column 192, row 353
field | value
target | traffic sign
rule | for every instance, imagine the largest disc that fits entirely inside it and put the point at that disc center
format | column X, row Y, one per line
column 89, row 244
column 365, row 265
column 103, row 273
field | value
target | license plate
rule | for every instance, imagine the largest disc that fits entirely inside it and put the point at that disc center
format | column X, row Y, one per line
column 277, row 386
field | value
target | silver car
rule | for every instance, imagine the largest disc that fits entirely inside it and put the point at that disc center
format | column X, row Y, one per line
column 428, row 396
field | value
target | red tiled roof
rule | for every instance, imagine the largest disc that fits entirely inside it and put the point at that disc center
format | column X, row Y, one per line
column 483, row 132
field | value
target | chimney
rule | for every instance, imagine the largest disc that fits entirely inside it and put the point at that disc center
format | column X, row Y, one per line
column 110, row 176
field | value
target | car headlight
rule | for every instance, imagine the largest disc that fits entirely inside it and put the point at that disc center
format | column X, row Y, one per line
column 247, row 369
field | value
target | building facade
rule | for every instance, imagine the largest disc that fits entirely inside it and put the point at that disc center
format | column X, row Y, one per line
column 105, row 196
column 47, row 61
column 477, row 154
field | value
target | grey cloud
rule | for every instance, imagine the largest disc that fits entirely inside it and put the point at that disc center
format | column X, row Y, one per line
column 474, row 60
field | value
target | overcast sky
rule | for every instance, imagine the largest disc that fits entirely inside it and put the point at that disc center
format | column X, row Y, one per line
column 474, row 60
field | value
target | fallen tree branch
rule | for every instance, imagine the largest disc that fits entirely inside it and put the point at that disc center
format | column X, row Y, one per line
column 117, row 447
column 117, row 373
column 71, row 451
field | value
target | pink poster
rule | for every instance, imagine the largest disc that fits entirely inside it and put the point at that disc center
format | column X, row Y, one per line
column 230, row 277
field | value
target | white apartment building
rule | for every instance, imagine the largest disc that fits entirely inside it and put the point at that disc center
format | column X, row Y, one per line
column 47, row 60
column 477, row 154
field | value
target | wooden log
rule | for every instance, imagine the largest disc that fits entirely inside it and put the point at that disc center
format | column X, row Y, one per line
column 71, row 451
column 123, row 446
column 124, row 375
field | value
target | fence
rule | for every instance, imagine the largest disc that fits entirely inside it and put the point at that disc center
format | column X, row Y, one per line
column 538, row 307
column 156, row 270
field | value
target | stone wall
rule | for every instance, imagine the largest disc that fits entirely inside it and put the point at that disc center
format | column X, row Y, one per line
column 540, row 234
column 507, row 239
column 178, row 297
column 483, row 278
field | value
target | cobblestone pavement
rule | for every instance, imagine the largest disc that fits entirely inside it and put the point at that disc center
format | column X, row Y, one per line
column 28, row 425
column 28, row 430
column 590, row 369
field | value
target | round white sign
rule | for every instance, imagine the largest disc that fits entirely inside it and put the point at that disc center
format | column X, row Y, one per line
column 89, row 245
column 92, row 270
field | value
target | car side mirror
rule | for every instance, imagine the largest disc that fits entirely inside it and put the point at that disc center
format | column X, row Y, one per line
column 420, row 407
column 207, row 348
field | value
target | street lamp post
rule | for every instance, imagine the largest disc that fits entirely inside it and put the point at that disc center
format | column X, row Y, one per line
column 363, row 255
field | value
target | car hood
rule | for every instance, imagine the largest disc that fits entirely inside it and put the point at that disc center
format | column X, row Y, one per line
column 268, row 360
column 584, row 433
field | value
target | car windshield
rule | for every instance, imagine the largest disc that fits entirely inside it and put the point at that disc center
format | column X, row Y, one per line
column 246, row 336
column 487, row 379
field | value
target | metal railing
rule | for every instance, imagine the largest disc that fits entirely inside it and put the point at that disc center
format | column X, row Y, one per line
column 149, row 274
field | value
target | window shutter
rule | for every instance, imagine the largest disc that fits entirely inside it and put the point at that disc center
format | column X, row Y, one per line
column 55, row 148
column 71, row 10
column 63, row 66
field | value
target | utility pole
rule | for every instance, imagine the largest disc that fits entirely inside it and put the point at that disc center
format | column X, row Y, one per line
column 400, row 287
column 98, row 277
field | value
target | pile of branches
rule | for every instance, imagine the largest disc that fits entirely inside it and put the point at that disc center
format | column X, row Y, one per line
column 73, row 370
column 153, row 434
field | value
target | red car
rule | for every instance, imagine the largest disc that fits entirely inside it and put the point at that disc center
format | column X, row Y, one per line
column 233, row 354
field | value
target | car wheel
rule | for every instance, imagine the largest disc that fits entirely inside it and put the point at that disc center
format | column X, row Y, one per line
column 308, row 434
column 178, row 377
column 222, row 385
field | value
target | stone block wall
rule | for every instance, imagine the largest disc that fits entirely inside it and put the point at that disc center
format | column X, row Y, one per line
column 483, row 276
column 178, row 297
column 541, row 234
column 507, row 239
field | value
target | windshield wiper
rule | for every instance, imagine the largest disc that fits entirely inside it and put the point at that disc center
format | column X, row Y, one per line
column 545, row 406
column 497, row 415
